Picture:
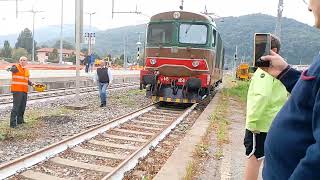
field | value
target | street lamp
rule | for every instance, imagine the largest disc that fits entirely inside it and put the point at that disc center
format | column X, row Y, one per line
column 90, row 33
column 34, row 12
column 90, row 14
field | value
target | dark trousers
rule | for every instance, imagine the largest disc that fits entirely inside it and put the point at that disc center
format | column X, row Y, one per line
column 87, row 68
column 19, row 106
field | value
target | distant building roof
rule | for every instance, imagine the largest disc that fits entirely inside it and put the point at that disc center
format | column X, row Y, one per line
column 64, row 51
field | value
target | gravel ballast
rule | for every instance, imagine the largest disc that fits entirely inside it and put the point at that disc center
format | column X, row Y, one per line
column 49, row 122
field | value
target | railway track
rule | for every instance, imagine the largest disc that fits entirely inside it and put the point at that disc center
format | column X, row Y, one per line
column 103, row 152
column 7, row 98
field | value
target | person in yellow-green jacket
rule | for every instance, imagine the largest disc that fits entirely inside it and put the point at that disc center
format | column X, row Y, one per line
column 266, row 96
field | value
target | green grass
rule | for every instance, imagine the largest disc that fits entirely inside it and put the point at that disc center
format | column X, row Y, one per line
column 127, row 98
column 219, row 121
column 191, row 170
column 146, row 177
column 27, row 130
column 240, row 90
column 133, row 92
column 218, row 125
column 202, row 149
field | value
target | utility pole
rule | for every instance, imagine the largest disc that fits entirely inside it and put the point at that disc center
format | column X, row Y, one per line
column 279, row 17
column 78, row 19
column 125, row 38
column 61, row 35
column 124, row 52
column 215, row 16
column 181, row 6
column 235, row 62
column 34, row 12
column 90, row 14
column 17, row 9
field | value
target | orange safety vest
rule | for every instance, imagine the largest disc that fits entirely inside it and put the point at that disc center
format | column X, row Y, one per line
column 20, row 80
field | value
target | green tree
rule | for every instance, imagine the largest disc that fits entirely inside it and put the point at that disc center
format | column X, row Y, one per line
column 119, row 61
column 122, row 57
column 7, row 50
column 71, row 59
column 66, row 45
column 17, row 53
column 25, row 40
column 53, row 57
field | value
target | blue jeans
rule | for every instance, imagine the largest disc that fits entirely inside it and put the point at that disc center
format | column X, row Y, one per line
column 103, row 92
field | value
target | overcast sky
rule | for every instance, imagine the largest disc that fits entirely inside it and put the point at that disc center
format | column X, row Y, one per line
column 295, row 9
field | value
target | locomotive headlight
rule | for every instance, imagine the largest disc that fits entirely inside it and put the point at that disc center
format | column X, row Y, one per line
column 195, row 63
column 153, row 61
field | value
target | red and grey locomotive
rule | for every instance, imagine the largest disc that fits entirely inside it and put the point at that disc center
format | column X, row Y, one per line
column 184, row 57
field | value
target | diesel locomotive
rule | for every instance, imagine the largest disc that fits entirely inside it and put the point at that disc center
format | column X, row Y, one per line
column 184, row 57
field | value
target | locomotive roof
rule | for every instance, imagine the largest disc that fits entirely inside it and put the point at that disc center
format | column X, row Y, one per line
column 184, row 15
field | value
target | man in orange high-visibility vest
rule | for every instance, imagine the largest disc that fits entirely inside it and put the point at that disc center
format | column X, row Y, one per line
column 19, row 89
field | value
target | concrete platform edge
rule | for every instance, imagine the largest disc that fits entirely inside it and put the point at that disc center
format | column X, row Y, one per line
column 176, row 166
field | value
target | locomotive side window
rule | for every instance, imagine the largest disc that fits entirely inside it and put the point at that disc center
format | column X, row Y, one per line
column 160, row 33
column 193, row 33
column 222, row 54
column 214, row 38
column 218, row 52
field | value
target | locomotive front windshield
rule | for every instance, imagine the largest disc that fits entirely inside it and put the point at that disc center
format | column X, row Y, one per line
column 160, row 33
column 193, row 34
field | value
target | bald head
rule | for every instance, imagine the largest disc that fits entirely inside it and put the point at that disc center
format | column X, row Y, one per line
column 23, row 61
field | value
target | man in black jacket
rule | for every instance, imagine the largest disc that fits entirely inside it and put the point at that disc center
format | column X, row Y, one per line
column 292, row 147
column 103, row 78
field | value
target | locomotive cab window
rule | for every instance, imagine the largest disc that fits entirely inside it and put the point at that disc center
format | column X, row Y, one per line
column 160, row 33
column 193, row 33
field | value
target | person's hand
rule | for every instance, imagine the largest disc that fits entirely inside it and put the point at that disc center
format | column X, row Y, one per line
column 36, row 84
column 277, row 63
column 8, row 68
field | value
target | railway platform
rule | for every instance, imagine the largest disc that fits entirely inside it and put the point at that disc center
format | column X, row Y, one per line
column 225, row 161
